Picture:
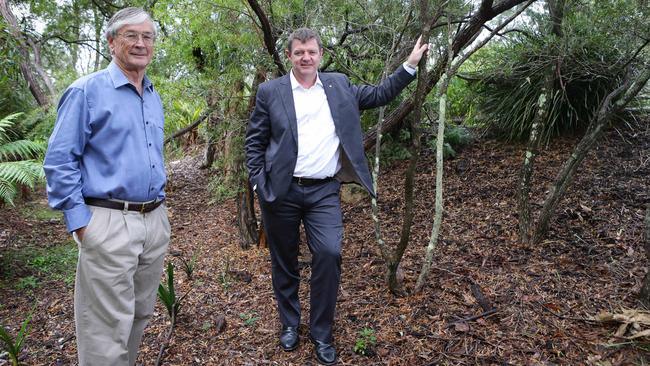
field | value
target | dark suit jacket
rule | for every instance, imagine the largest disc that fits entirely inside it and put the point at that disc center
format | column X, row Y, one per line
column 271, row 139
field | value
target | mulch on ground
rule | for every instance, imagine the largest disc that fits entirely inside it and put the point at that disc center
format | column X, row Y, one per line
column 544, row 295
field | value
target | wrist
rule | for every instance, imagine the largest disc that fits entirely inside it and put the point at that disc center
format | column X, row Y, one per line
column 407, row 63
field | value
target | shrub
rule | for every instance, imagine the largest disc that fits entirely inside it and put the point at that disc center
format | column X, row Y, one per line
column 19, row 161
column 365, row 342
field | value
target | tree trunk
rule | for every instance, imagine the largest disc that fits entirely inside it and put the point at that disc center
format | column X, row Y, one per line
column 41, row 97
column 538, row 128
column 645, row 287
column 246, row 220
column 440, row 142
column 394, row 284
column 249, row 232
column 211, row 128
column 386, row 253
column 611, row 105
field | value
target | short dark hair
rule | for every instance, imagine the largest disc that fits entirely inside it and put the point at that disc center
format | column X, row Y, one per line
column 303, row 35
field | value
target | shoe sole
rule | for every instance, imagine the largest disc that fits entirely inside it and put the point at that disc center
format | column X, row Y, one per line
column 324, row 363
column 289, row 349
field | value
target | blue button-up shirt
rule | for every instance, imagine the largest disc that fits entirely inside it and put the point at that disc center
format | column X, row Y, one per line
column 107, row 143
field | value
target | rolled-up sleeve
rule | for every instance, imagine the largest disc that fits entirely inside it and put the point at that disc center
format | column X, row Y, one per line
column 63, row 158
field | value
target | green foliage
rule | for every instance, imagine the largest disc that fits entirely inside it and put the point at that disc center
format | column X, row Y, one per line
column 18, row 164
column 189, row 265
column 249, row 318
column 230, row 163
column 167, row 294
column 456, row 137
column 36, row 265
column 40, row 212
column 14, row 94
column 14, row 346
column 38, row 124
column 395, row 148
column 27, row 283
column 365, row 341
column 588, row 61
column 459, row 99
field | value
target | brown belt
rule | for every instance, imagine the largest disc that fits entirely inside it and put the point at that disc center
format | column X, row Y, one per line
column 129, row 206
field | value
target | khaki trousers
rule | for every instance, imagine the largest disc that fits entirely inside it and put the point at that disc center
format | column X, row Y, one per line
column 118, row 272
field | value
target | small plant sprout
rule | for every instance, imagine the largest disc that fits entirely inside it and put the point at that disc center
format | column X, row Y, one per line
column 14, row 346
column 249, row 318
column 365, row 342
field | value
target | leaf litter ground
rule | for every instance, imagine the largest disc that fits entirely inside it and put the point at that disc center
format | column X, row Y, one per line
column 544, row 296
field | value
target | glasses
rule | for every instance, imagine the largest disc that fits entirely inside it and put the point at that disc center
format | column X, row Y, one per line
column 132, row 37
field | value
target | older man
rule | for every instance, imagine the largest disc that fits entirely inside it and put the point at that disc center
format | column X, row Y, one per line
column 105, row 171
column 304, row 138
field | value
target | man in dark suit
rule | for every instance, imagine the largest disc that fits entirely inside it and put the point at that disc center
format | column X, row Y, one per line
column 303, row 140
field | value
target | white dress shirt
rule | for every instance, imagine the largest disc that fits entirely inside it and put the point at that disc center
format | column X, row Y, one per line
column 318, row 144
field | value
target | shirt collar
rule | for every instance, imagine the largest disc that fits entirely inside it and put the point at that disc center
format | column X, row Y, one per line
column 295, row 84
column 119, row 79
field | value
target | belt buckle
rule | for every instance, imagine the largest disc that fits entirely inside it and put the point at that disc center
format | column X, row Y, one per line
column 142, row 208
column 300, row 182
column 126, row 208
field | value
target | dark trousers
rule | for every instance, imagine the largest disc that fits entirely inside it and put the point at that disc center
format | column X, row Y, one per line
column 318, row 207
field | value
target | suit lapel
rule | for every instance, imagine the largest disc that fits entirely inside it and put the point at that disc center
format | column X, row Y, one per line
column 328, row 85
column 286, row 94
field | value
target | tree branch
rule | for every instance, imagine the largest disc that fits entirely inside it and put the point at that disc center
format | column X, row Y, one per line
column 270, row 39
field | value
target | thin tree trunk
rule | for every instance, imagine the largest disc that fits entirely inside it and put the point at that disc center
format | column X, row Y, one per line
column 41, row 97
column 383, row 248
column 249, row 232
column 611, row 105
column 442, row 94
column 246, row 221
column 440, row 142
column 544, row 103
column 394, row 284
column 645, row 287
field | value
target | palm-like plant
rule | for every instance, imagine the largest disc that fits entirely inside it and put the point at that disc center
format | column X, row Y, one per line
column 20, row 163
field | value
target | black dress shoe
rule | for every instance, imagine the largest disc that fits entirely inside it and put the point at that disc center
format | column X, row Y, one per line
column 289, row 338
column 325, row 352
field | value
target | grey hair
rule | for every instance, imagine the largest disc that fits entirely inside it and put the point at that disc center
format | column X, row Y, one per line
column 303, row 35
column 128, row 16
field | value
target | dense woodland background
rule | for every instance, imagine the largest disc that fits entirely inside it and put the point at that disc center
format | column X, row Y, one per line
column 512, row 222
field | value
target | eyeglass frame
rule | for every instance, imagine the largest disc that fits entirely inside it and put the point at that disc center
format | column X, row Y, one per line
column 148, row 38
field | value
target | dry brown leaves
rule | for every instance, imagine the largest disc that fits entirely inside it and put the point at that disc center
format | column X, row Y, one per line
column 545, row 296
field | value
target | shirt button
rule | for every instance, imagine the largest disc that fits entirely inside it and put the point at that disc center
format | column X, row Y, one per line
column 150, row 144
column 153, row 166
column 147, row 122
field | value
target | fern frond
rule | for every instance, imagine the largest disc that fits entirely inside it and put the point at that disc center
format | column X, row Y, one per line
column 8, row 191
column 7, row 122
column 21, row 149
column 26, row 172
